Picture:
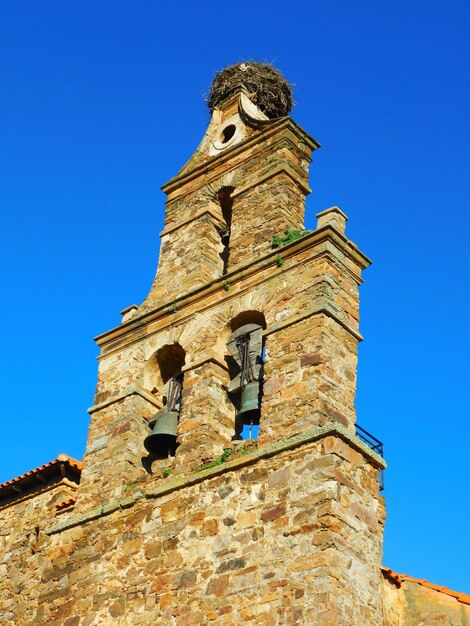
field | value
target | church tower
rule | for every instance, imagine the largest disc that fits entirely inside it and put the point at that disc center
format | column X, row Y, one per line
column 223, row 480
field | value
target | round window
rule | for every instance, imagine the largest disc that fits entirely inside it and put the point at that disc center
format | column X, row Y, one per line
column 227, row 133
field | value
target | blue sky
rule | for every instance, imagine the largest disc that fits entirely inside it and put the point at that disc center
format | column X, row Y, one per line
column 102, row 102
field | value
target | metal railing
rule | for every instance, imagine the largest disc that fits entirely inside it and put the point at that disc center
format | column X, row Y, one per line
column 374, row 444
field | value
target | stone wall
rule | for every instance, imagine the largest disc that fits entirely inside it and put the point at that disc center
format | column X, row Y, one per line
column 281, row 535
column 22, row 543
column 310, row 307
column 266, row 171
column 413, row 602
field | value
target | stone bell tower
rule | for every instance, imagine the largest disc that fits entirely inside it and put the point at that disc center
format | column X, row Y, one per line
column 251, row 323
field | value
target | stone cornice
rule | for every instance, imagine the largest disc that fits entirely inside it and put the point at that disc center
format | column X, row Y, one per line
column 322, row 308
column 28, row 495
column 215, row 161
column 251, row 458
column 146, row 395
column 193, row 218
column 310, row 241
column 134, row 390
column 207, row 358
column 281, row 168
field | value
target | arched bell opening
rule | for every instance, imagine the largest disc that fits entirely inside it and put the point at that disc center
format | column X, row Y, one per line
column 246, row 350
column 248, row 317
column 226, row 203
column 161, row 442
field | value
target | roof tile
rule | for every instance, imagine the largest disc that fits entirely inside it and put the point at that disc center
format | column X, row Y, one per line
column 401, row 578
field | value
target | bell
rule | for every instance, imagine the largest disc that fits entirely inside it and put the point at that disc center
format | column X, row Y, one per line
column 249, row 404
column 162, row 440
column 248, row 412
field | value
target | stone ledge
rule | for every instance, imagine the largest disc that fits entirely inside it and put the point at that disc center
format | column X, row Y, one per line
column 134, row 390
column 286, row 123
column 282, row 168
column 250, row 458
column 312, row 240
column 206, row 358
column 205, row 211
column 324, row 308
column 34, row 494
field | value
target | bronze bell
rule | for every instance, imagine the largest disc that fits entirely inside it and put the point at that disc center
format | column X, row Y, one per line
column 162, row 440
column 249, row 404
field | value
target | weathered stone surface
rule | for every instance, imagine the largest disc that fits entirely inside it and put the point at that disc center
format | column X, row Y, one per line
column 415, row 603
column 283, row 530
column 253, row 564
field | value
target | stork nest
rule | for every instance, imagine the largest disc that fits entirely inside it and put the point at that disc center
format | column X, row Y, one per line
column 268, row 88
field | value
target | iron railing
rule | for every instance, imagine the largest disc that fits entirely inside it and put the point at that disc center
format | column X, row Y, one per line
column 375, row 445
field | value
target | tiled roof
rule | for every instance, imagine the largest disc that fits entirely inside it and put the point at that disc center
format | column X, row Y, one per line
column 66, row 503
column 398, row 579
column 63, row 466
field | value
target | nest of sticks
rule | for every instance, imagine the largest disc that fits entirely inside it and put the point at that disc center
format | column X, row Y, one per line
column 268, row 88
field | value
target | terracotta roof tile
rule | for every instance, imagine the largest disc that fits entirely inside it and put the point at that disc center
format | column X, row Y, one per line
column 62, row 458
column 63, row 465
column 401, row 578
column 66, row 503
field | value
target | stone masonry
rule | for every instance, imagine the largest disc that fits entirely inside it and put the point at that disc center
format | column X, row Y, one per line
column 283, row 529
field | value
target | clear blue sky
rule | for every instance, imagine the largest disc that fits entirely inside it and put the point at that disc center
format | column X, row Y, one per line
column 102, row 102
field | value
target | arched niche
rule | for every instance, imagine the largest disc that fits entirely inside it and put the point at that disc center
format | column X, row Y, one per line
column 245, row 362
column 165, row 363
column 171, row 359
column 248, row 317
column 225, row 201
